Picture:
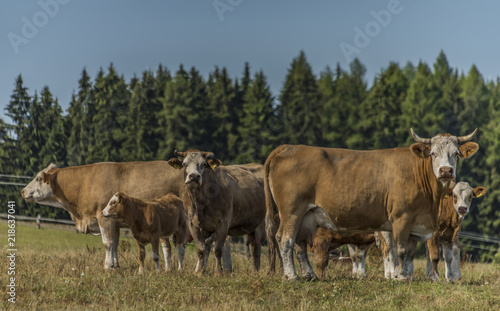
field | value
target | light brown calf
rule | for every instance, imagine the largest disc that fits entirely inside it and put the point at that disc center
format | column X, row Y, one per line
column 152, row 222
column 454, row 207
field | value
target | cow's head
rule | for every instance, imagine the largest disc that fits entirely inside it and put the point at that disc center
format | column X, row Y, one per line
column 115, row 208
column 444, row 151
column 462, row 195
column 39, row 189
column 194, row 163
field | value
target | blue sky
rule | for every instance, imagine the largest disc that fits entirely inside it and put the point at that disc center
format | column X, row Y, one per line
column 64, row 38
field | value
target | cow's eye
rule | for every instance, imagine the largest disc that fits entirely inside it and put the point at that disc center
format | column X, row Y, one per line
column 38, row 178
column 204, row 164
column 432, row 154
column 184, row 164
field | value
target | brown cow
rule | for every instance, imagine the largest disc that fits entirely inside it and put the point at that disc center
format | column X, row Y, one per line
column 396, row 190
column 453, row 210
column 152, row 222
column 85, row 190
column 220, row 201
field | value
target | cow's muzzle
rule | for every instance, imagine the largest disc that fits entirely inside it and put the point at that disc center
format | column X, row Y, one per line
column 446, row 172
column 193, row 179
column 462, row 210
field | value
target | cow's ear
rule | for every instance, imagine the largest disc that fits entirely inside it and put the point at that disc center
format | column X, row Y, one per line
column 449, row 193
column 479, row 192
column 468, row 149
column 420, row 150
column 214, row 163
column 46, row 178
column 175, row 163
column 119, row 197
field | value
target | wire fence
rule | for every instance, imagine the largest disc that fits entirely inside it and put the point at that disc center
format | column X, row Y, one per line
column 9, row 179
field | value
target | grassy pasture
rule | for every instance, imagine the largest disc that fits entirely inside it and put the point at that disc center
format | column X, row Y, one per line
column 61, row 270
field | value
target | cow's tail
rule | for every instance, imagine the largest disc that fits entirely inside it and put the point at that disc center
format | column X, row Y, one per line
column 271, row 211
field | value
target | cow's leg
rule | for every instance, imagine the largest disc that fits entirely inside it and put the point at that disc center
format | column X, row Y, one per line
column 321, row 250
column 433, row 249
column 428, row 265
column 201, row 247
column 167, row 252
column 455, row 262
column 220, row 240
column 115, row 243
column 227, row 263
column 246, row 242
column 155, row 246
column 410, row 256
column 401, row 233
column 305, row 265
column 358, row 256
column 142, row 254
column 286, row 235
column 181, row 247
column 448, row 257
column 253, row 242
column 110, row 238
column 389, row 252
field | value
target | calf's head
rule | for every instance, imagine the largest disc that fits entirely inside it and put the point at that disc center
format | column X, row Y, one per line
column 194, row 163
column 462, row 195
column 39, row 189
column 115, row 208
column 444, row 151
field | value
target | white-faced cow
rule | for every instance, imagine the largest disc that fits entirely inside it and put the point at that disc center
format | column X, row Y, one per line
column 152, row 222
column 85, row 190
column 453, row 209
column 396, row 190
column 220, row 201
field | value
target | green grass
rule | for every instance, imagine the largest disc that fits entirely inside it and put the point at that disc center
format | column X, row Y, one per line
column 56, row 271
column 46, row 238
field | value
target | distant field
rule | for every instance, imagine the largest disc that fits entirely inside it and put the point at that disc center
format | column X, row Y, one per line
column 62, row 270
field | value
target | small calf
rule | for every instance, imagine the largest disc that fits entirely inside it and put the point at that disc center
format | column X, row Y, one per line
column 358, row 244
column 152, row 222
column 454, row 207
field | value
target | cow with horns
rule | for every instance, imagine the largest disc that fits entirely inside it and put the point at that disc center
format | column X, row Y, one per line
column 356, row 191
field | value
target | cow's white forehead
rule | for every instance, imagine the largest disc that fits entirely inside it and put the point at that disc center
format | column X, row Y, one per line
column 462, row 189
column 444, row 143
column 193, row 156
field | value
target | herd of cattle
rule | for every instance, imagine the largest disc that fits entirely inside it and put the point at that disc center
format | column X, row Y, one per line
column 303, row 198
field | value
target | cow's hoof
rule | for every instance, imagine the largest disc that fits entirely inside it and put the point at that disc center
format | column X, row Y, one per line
column 310, row 277
column 400, row 278
column 291, row 278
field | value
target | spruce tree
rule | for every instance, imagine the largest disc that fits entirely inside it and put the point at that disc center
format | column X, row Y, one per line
column 221, row 95
column 420, row 109
column 299, row 107
column 79, row 122
column 381, row 111
column 257, row 139
column 111, row 96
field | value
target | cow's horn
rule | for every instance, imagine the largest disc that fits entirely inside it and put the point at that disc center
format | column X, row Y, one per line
column 208, row 155
column 419, row 139
column 180, row 154
column 463, row 139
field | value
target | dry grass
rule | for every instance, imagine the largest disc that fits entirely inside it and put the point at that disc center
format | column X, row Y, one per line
column 71, row 278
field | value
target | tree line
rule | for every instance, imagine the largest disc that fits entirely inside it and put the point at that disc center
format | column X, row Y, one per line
column 241, row 121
